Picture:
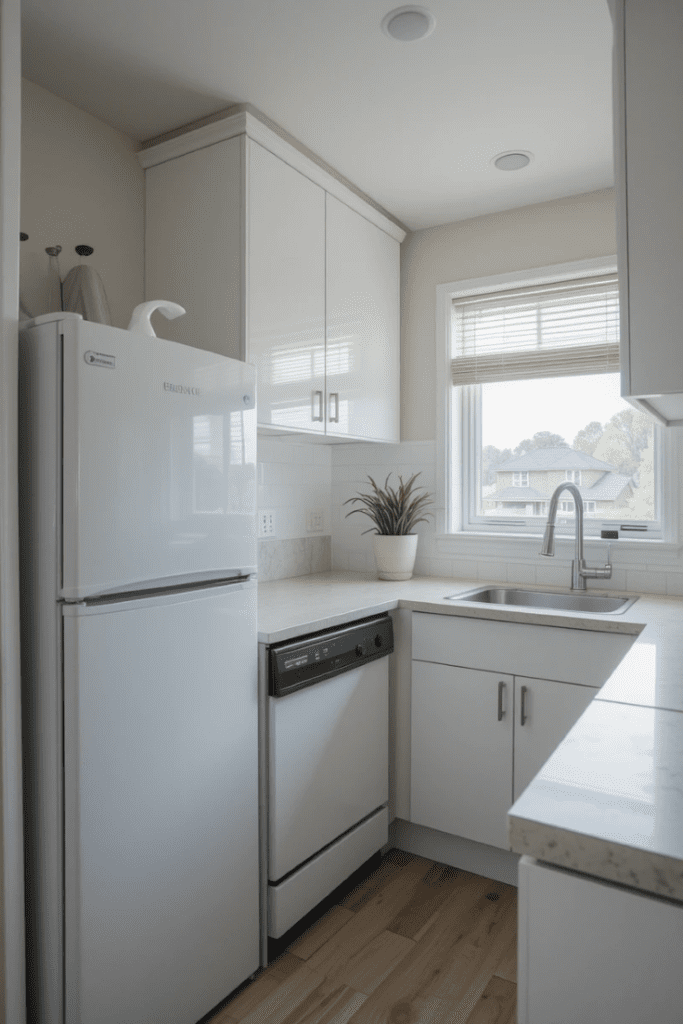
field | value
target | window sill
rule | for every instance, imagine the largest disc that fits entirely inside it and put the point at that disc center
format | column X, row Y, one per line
column 485, row 544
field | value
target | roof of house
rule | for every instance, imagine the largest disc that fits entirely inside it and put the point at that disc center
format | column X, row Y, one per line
column 516, row 494
column 607, row 488
column 553, row 458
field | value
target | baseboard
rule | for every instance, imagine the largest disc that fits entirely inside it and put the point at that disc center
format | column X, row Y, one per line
column 478, row 858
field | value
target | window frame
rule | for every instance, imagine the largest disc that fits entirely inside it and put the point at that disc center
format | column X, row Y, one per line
column 452, row 434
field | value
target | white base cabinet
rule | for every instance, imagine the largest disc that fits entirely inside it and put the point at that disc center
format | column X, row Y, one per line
column 590, row 951
column 461, row 751
column 545, row 711
column 479, row 736
column 278, row 263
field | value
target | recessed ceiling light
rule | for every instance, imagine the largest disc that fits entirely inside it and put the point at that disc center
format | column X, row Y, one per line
column 406, row 24
column 512, row 161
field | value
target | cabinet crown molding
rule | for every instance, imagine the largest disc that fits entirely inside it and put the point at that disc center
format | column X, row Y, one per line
column 246, row 123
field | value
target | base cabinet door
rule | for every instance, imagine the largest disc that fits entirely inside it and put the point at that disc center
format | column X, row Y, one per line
column 461, row 751
column 545, row 711
column 591, row 951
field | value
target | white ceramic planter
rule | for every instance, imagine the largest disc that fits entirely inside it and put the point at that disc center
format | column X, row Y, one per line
column 395, row 556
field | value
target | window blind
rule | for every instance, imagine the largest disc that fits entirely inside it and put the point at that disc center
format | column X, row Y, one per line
column 556, row 330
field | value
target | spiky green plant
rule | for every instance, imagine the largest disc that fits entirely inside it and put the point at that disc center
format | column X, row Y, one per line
column 394, row 512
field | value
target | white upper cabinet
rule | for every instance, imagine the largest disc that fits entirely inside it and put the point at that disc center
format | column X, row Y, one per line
column 362, row 327
column 286, row 292
column 193, row 244
column 279, row 263
column 648, row 121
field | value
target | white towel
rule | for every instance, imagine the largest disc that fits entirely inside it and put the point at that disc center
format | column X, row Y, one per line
column 83, row 292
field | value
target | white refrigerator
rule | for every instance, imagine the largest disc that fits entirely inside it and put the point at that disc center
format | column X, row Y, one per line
column 138, row 549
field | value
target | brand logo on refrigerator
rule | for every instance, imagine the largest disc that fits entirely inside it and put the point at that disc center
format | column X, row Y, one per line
column 181, row 389
column 100, row 359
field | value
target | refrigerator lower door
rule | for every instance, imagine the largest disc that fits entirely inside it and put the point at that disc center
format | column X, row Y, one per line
column 161, row 805
column 159, row 462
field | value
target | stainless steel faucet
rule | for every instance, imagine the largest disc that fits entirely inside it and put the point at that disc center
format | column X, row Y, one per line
column 580, row 571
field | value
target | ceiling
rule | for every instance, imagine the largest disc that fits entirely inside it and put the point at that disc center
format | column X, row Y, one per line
column 414, row 125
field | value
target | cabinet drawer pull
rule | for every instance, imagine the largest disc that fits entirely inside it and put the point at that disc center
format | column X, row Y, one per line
column 319, row 396
column 334, row 401
column 522, row 706
column 501, row 689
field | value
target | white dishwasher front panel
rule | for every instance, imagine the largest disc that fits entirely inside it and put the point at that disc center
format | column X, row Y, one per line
column 329, row 762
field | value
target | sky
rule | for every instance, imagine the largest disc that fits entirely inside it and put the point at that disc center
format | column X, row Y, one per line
column 516, row 410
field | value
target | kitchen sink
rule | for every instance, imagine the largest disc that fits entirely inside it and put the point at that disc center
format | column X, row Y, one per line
column 574, row 602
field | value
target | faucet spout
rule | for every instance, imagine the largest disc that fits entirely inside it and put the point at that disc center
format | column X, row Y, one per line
column 548, row 545
column 580, row 571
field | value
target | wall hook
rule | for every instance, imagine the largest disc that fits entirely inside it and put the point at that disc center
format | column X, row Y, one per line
column 84, row 250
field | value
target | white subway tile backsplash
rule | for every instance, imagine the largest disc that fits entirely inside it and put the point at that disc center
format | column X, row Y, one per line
column 295, row 478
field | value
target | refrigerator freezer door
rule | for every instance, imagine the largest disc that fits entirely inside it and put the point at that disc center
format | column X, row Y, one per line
column 161, row 805
column 159, row 462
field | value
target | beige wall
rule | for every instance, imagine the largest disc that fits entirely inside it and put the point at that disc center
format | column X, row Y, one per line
column 576, row 228
column 81, row 183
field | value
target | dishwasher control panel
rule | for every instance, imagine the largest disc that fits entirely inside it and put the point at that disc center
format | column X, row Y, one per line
column 305, row 661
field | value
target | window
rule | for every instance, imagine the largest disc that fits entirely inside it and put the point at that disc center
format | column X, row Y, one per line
column 534, row 402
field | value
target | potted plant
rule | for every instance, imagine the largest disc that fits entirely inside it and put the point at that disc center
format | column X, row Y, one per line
column 395, row 513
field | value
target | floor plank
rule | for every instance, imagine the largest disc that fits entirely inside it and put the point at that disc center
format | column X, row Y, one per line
column 390, row 868
column 367, row 923
column 365, row 971
column 307, row 997
column 507, row 968
column 442, row 978
column 316, row 936
column 427, row 899
column 285, row 965
column 249, row 998
column 416, row 943
column 497, row 1004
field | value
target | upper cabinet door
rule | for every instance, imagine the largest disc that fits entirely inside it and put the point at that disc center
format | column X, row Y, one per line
column 286, row 292
column 649, row 163
column 193, row 246
column 362, row 327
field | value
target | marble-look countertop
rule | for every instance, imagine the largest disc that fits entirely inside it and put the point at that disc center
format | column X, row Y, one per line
column 609, row 801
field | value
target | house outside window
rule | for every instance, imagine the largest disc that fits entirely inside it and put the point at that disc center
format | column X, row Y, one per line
column 534, row 402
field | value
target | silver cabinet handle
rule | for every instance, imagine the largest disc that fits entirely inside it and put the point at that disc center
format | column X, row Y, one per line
column 319, row 396
column 501, row 689
column 522, row 705
column 334, row 399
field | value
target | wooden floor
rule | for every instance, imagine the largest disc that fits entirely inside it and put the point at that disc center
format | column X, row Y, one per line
column 417, row 943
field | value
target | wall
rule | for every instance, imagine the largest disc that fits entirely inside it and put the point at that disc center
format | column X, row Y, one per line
column 81, row 183
column 12, row 951
column 576, row 228
column 294, row 479
column 579, row 227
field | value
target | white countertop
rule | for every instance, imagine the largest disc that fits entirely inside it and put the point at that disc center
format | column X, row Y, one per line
column 609, row 802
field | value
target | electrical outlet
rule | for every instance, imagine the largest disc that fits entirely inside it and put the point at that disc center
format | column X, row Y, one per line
column 315, row 521
column 266, row 523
